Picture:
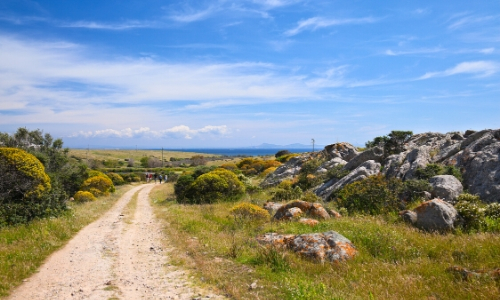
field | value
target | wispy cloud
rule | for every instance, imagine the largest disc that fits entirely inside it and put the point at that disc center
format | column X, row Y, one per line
column 276, row 3
column 193, row 16
column 176, row 132
column 413, row 51
column 319, row 22
column 459, row 21
column 478, row 68
column 111, row 26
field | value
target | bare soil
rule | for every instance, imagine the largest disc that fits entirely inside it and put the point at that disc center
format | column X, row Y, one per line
column 117, row 257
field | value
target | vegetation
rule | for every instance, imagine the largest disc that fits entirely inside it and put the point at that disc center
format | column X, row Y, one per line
column 82, row 196
column 210, row 187
column 247, row 210
column 393, row 143
column 432, row 170
column 254, row 166
column 395, row 260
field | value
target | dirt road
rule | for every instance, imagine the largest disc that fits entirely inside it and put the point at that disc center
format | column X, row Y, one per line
column 120, row 256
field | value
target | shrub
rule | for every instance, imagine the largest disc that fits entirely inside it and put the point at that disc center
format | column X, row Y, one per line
column 26, row 191
column 373, row 195
column 310, row 197
column 492, row 210
column 116, row 179
column 429, row 171
column 84, row 196
column 337, row 172
column 282, row 153
column 393, row 143
column 466, row 197
column 268, row 171
column 285, row 192
column 249, row 211
column 98, row 185
column 182, row 185
column 287, row 157
column 413, row 190
column 307, row 177
column 472, row 215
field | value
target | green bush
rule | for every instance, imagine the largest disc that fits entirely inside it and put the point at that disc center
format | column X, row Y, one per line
column 214, row 186
column 472, row 215
column 310, row 197
column 285, row 192
column 373, row 195
column 83, row 196
column 307, row 177
column 413, row 190
column 432, row 170
column 466, row 197
column 492, row 211
column 337, row 172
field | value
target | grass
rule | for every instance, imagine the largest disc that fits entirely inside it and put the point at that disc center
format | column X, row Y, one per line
column 395, row 261
column 24, row 248
column 106, row 154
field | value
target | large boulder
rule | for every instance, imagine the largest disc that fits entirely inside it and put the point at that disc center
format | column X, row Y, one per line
column 446, row 187
column 286, row 171
column 365, row 170
column 434, row 215
column 320, row 247
column 344, row 151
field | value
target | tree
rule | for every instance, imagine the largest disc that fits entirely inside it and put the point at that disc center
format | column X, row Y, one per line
column 393, row 143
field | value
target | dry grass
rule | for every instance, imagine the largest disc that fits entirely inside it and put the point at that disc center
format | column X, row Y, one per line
column 104, row 154
column 395, row 261
column 23, row 248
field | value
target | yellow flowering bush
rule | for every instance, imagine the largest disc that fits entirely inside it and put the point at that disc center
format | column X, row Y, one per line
column 83, row 196
column 97, row 185
column 249, row 211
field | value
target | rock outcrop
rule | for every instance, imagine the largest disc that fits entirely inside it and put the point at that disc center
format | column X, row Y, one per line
column 366, row 169
column 296, row 208
column 475, row 153
column 328, row 246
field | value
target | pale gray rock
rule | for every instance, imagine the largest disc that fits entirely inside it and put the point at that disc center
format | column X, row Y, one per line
column 365, row 170
column 446, row 187
column 286, row 171
column 416, row 158
column 375, row 154
column 392, row 165
column 435, row 215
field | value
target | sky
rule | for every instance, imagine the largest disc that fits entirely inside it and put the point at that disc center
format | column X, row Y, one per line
column 221, row 73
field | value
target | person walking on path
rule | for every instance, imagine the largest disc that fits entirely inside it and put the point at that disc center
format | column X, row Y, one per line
column 160, row 177
column 155, row 176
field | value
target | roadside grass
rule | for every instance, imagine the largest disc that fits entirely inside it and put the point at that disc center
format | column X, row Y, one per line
column 24, row 248
column 395, row 261
column 129, row 209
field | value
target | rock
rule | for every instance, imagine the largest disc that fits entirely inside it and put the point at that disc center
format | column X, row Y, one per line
column 343, row 151
column 446, row 187
column 409, row 216
column 392, row 164
column 482, row 172
column 333, row 163
column 365, row 170
column 289, row 210
column 310, row 222
column 291, row 213
column 272, row 207
column 318, row 211
column 435, row 215
column 375, row 154
column 320, row 247
column 286, row 171
column 416, row 158
column 333, row 213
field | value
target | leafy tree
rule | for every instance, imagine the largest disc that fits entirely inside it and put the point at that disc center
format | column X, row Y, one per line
column 393, row 143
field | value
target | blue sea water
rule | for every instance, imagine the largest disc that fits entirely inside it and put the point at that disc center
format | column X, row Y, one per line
column 238, row 151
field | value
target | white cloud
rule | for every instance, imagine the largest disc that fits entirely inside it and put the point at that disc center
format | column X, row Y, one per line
column 110, row 26
column 460, row 21
column 180, row 131
column 192, row 16
column 414, row 51
column 276, row 3
column 487, row 50
column 478, row 68
column 318, row 22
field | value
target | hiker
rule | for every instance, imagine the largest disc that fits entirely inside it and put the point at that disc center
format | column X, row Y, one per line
column 159, row 177
column 165, row 178
column 147, row 177
column 155, row 176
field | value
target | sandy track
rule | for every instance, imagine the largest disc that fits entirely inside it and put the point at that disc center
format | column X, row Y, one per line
column 113, row 258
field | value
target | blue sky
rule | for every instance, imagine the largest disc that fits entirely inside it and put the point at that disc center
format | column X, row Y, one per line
column 180, row 74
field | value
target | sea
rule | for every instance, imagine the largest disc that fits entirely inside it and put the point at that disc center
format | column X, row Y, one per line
column 239, row 151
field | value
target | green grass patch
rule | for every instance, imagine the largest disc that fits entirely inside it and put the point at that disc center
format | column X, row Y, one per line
column 24, row 248
column 395, row 261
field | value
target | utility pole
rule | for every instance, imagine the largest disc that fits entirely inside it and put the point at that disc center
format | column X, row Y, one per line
column 87, row 156
column 313, row 144
column 162, row 157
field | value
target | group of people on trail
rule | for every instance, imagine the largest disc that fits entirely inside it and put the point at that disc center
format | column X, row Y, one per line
column 151, row 176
